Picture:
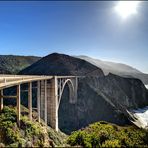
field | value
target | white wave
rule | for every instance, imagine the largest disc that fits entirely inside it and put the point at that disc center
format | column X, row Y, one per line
column 146, row 86
column 141, row 116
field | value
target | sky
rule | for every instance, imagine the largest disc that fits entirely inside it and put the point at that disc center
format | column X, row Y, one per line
column 91, row 28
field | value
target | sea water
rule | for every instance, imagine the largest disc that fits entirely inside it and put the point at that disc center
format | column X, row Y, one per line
column 146, row 86
column 141, row 115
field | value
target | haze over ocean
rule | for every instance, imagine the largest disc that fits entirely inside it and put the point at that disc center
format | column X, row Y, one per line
column 77, row 28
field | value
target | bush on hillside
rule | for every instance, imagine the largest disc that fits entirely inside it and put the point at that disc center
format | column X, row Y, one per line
column 102, row 134
column 29, row 134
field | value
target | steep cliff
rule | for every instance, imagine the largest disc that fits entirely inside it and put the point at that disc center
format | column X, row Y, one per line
column 122, row 92
column 102, row 98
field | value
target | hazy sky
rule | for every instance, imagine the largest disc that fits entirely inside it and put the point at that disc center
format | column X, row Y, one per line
column 75, row 28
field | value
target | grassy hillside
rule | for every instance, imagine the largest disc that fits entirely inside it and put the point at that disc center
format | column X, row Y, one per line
column 34, row 134
column 30, row 134
column 10, row 64
column 103, row 134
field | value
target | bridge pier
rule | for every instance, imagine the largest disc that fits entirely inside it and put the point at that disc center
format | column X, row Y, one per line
column 38, row 100
column 1, row 100
column 42, row 101
column 52, row 103
column 45, row 111
column 18, row 105
column 30, row 100
column 73, row 97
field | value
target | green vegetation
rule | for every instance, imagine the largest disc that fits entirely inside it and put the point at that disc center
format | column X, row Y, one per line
column 35, row 134
column 13, row 64
column 103, row 134
column 29, row 134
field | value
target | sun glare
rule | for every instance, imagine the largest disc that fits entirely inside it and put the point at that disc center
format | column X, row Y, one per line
column 126, row 8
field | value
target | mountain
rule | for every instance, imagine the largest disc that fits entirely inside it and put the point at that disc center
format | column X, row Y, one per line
column 12, row 64
column 117, row 68
column 60, row 64
column 100, row 97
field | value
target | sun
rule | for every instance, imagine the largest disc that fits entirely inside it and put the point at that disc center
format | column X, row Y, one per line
column 126, row 8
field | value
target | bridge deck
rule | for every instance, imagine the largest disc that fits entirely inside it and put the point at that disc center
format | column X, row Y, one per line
column 12, row 80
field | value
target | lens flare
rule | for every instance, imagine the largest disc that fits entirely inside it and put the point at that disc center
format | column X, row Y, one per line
column 126, row 8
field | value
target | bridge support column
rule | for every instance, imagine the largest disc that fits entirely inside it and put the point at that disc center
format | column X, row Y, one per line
column 73, row 99
column 30, row 100
column 45, row 113
column 38, row 100
column 1, row 100
column 18, row 105
column 42, row 101
column 52, row 103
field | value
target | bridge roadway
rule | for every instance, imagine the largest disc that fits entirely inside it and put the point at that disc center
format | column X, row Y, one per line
column 49, row 93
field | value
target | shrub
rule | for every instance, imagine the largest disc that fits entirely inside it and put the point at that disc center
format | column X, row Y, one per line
column 13, row 136
column 111, row 143
column 9, row 132
column 102, row 134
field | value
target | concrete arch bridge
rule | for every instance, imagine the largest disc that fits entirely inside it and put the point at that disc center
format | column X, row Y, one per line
column 49, row 94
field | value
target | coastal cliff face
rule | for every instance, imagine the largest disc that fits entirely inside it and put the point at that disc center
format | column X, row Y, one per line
column 121, row 92
column 102, row 98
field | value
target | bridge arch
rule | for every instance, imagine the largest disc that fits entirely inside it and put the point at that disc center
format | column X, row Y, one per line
column 71, row 91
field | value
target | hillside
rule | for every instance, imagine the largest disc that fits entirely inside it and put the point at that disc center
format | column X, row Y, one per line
column 35, row 134
column 60, row 64
column 30, row 133
column 99, row 97
column 117, row 68
column 103, row 134
column 12, row 64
